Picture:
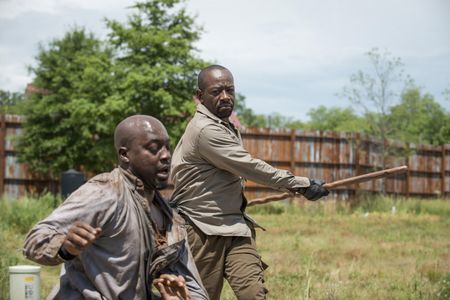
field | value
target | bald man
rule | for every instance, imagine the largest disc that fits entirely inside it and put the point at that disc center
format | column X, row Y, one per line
column 115, row 235
column 209, row 166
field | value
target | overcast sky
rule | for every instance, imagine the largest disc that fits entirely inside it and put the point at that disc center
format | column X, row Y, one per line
column 287, row 56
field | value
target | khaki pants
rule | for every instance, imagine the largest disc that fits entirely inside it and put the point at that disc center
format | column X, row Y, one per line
column 234, row 258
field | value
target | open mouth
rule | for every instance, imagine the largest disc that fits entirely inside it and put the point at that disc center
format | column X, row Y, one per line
column 163, row 173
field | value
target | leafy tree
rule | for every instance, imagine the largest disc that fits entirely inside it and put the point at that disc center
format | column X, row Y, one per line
column 156, row 66
column 420, row 119
column 295, row 124
column 446, row 94
column 86, row 86
column 246, row 115
column 335, row 119
column 278, row 121
column 10, row 102
column 69, row 117
column 377, row 91
column 249, row 118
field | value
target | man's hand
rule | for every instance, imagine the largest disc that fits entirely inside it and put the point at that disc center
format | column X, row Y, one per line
column 79, row 237
column 172, row 287
column 315, row 190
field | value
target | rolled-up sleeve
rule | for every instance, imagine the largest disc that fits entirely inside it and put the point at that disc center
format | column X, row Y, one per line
column 223, row 150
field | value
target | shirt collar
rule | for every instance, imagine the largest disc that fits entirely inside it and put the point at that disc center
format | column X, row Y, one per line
column 138, row 186
column 133, row 181
column 204, row 111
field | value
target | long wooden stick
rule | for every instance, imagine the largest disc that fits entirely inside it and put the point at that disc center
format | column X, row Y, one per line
column 338, row 183
column 366, row 177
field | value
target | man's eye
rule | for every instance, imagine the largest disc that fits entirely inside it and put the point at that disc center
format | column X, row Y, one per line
column 153, row 149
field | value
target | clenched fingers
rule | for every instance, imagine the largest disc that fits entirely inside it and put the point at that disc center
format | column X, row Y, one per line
column 79, row 237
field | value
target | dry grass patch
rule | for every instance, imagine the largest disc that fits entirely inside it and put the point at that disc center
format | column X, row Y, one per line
column 319, row 250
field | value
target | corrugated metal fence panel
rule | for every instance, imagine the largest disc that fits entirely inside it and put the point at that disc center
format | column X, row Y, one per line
column 268, row 145
column 426, row 159
column 425, row 165
column 14, row 169
column 446, row 168
column 324, row 155
column 396, row 183
column 17, row 181
column 11, row 134
column 14, row 190
column 332, row 156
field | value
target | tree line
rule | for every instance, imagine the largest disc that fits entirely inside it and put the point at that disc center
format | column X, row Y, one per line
column 386, row 103
column 83, row 86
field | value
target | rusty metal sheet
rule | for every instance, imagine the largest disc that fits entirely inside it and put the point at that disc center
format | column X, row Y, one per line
column 325, row 155
column 423, row 184
column 14, row 169
column 268, row 144
column 14, row 191
column 11, row 135
column 14, row 119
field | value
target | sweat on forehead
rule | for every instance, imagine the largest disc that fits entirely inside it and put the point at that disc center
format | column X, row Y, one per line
column 128, row 128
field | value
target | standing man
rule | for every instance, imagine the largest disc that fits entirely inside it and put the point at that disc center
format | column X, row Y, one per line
column 116, row 234
column 209, row 165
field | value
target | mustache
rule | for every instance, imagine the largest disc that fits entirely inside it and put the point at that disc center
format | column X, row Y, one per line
column 164, row 167
column 225, row 105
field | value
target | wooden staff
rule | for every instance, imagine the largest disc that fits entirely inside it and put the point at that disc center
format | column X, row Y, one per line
column 338, row 183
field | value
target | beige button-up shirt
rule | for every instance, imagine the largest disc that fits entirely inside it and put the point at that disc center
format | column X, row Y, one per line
column 208, row 168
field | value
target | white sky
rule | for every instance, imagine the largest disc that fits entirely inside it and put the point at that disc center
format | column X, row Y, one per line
column 287, row 56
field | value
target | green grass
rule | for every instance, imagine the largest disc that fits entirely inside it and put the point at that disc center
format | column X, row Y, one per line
column 331, row 250
column 16, row 219
column 315, row 250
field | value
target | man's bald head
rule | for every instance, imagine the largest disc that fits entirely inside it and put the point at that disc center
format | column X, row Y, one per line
column 128, row 129
column 216, row 91
column 202, row 76
column 143, row 149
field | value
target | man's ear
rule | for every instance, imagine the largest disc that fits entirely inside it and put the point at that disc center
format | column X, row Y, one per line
column 123, row 155
column 199, row 95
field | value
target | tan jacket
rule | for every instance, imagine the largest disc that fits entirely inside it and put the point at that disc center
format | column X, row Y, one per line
column 209, row 165
column 118, row 265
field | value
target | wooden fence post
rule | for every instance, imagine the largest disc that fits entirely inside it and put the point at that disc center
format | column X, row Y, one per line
column 2, row 153
column 293, row 158
column 443, row 165
column 407, row 175
column 356, row 162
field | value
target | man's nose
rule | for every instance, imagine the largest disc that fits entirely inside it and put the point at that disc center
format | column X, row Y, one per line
column 165, row 154
column 224, row 95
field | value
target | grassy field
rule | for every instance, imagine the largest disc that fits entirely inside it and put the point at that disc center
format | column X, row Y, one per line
column 383, row 248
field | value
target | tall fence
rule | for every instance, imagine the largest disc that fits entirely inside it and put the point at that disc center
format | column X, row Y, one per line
column 324, row 155
column 332, row 156
column 15, row 179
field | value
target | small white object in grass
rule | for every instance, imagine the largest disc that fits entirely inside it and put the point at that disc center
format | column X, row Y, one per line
column 394, row 210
